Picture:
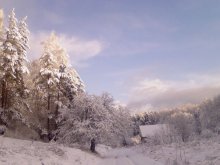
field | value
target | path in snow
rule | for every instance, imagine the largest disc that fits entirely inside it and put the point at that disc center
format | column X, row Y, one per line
column 126, row 157
column 129, row 160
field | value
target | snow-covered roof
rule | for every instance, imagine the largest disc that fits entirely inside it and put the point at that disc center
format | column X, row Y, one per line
column 151, row 130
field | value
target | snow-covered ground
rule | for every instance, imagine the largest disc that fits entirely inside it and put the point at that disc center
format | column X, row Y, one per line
column 23, row 152
column 196, row 152
column 126, row 156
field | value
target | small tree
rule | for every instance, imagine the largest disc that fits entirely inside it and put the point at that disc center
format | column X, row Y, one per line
column 210, row 114
column 182, row 124
column 197, row 122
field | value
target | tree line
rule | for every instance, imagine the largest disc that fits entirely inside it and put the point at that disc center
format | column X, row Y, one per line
column 48, row 96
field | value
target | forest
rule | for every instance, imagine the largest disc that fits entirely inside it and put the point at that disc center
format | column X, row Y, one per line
column 46, row 97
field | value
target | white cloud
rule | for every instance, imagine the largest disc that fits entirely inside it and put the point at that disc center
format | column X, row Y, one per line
column 157, row 93
column 79, row 50
column 153, row 87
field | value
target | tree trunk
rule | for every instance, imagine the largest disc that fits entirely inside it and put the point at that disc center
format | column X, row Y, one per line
column 48, row 106
column 58, row 100
column 86, row 113
column 3, row 94
column 48, row 103
column 6, row 98
column 48, row 94
column 58, row 96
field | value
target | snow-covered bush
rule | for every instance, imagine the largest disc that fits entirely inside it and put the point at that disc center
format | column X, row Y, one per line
column 206, row 133
column 210, row 114
column 90, row 118
column 182, row 125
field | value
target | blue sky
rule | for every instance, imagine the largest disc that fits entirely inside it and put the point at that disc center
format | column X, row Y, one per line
column 146, row 53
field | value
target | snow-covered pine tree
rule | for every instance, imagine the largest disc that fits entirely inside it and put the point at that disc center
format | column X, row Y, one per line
column 56, row 82
column 73, row 84
column 12, row 67
column 69, row 81
column 21, row 67
column 59, row 52
column 9, row 58
column 61, row 57
column 46, row 79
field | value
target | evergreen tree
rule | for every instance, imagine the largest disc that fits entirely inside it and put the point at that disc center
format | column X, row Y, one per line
column 56, row 83
column 21, row 68
column 9, row 59
column 55, row 75
column 46, row 79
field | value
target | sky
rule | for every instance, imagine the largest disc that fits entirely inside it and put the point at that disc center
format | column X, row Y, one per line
column 148, row 54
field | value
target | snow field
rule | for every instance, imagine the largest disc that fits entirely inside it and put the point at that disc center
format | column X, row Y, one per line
column 24, row 152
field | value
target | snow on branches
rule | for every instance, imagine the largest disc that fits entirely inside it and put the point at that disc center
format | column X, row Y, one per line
column 13, row 60
column 90, row 117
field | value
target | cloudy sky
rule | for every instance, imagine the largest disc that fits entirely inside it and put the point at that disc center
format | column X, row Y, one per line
column 146, row 53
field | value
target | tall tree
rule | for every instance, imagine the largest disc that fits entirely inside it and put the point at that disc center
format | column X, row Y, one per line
column 9, row 59
column 56, row 81
column 68, row 82
column 46, row 79
column 22, row 60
